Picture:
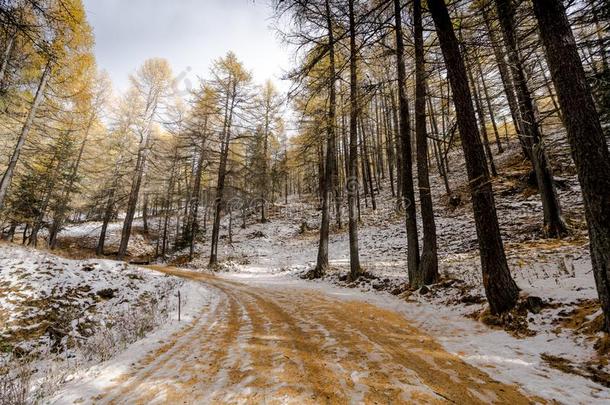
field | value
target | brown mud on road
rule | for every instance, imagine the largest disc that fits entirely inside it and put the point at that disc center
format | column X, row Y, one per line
column 267, row 345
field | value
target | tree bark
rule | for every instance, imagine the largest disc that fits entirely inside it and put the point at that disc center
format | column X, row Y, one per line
column 222, row 172
column 322, row 259
column 429, row 257
column 195, row 198
column 352, row 181
column 585, row 134
column 265, row 179
column 145, row 213
column 408, row 194
column 143, row 151
column 25, row 130
column 438, row 148
column 501, row 291
column 489, row 106
column 133, row 197
column 61, row 215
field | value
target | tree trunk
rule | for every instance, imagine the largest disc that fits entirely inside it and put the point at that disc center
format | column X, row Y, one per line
column 585, row 134
column 195, row 198
column 133, row 198
column 336, row 183
column 264, row 190
column 222, row 172
column 398, row 145
column 322, row 259
column 501, row 291
column 47, row 198
column 145, row 213
column 367, row 165
column 408, row 194
column 61, row 215
column 25, row 130
column 429, row 258
column 438, row 148
column 389, row 143
column 107, row 216
column 352, row 181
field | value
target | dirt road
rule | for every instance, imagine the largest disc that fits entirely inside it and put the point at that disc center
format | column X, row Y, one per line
column 270, row 345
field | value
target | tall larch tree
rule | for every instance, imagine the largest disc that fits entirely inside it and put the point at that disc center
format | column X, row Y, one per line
column 408, row 193
column 585, row 134
column 501, row 291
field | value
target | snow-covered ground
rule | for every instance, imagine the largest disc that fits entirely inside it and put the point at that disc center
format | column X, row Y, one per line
column 58, row 316
column 88, row 382
column 86, row 236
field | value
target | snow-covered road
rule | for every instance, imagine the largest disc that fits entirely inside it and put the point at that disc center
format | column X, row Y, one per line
column 257, row 344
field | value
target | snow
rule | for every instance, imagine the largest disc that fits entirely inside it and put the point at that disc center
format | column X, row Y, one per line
column 86, row 236
column 88, row 383
column 68, row 315
column 35, row 284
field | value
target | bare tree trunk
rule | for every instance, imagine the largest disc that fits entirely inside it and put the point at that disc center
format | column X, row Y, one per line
column 99, row 250
column 133, row 198
column 389, row 143
column 363, row 171
column 168, row 205
column 438, row 148
column 352, row 181
column 60, row 216
column 408, row 194
column 193, row 226
column 367, row 165
column 264, row 190
column 322, row 259
column 398, row 145
column 222, row 172
column 501, row 291
column 145, row 213
column 337, row 180
column 37, row 226
column 25, row 130
column 429, row 258
column 585, row 134
column 379, row 139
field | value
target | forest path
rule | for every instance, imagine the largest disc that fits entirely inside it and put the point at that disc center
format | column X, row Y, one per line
column 254, row 344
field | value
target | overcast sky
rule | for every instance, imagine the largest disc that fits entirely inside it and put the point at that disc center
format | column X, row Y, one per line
column 189, row 33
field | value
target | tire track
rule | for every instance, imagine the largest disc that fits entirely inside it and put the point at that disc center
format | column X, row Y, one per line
column 269, row 345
